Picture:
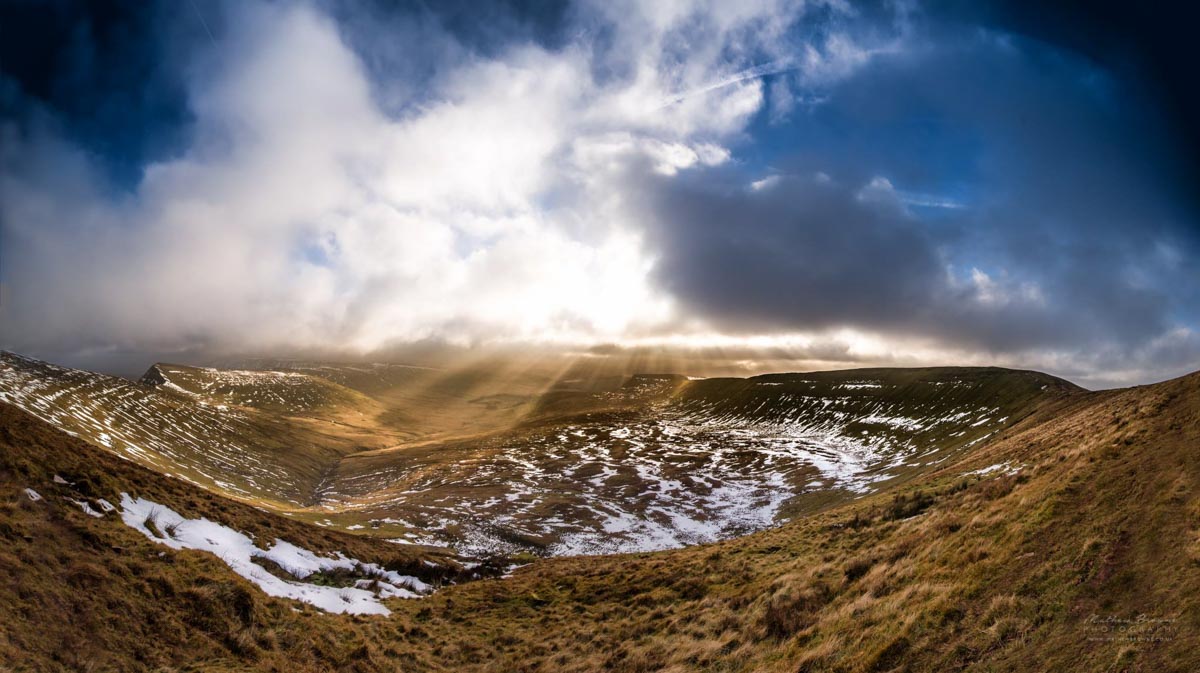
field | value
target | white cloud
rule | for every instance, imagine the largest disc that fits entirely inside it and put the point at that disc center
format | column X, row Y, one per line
column 303, row 214
column 990, row 292
column 764, row 183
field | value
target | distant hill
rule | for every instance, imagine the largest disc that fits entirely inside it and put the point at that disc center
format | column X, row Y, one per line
column 284, row 393
column 228, row 440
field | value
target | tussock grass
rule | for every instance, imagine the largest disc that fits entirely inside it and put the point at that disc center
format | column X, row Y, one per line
column 980, row 573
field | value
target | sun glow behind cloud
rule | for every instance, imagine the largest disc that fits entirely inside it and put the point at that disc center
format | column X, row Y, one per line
column 782, row 183
column 302, row 214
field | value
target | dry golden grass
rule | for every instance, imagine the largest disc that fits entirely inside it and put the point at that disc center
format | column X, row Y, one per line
column 1016, row 572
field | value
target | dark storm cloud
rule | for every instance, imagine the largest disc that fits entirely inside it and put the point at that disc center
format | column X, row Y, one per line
column 107, row 74
column 802, row 252
column 1063, row 232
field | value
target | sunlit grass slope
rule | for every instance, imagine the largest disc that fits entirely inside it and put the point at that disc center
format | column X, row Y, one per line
column 1015, row 555
column 251, row 453
column 80, row 590
column 512, row 456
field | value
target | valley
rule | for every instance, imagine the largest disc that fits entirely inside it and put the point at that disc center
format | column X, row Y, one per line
column 783, row 336
column 1003, row 539
column 488, row 469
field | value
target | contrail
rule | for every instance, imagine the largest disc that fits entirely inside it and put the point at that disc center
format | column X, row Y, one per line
column 755, row 72
column 203, row 23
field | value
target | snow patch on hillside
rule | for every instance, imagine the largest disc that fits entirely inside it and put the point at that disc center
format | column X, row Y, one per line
column 1002, row 469
column 165, row 526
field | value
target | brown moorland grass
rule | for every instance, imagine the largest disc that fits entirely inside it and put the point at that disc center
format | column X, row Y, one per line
column 1030, row 571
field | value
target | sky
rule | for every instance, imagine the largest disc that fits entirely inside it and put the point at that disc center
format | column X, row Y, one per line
column 806, row 183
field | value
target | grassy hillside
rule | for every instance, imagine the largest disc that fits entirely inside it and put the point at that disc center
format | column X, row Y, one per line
column 1023, row 553
column 426, row 403
column 495, row 467
column 662, row 461
column 84, row 591
column 250, row 453
column 284, row 393
column 922, row 416
column 1092, row 519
